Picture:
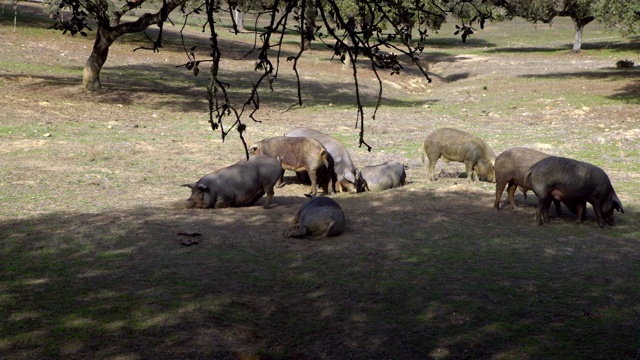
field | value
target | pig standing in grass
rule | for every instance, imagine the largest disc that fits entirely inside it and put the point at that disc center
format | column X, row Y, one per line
column 457, row 145
column 343, row 166
column 511, row 167
column 240, row 184
column 300, row 154
column 319, row 217
column 574, row 183
column 381, row 177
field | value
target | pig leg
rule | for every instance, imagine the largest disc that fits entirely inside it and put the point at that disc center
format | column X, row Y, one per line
column 270, row 193
column 255, row 199
column 328, row 187
column 433, row 157
column 334, row 182
column 329, row 229
column 579, row 213
column 431, row 168
column 468, row 165
column 221, row 203
column 542, row 210
column 299, row 232
column 346, row 186
column 280, row 182
column 511, row 194
column 556, row 203
column 314, row 181
column 597, row 208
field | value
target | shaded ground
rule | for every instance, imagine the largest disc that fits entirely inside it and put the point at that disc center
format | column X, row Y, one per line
column 92, row 211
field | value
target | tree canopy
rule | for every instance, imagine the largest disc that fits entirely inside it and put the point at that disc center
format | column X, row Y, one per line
column 623, row 15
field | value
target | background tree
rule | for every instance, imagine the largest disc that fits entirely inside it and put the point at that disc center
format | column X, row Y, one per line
column 107, row 15
column 389, row 35
column 582, row 12
column 623, row 15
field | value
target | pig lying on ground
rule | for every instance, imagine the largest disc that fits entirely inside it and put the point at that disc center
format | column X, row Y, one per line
column 457, row 145
column 511, row 167
column 240, row 184
column 320, row 217
column 381, row 177
column 299, row 154
column 343, row 166
column 574, row 183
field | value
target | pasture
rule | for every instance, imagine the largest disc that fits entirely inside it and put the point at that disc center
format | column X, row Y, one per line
column 93, row 261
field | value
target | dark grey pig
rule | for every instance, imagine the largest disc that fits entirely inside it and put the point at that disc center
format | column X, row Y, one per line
column 511, row 168
column 381, row 177
column 240, row 184
column 299, row 154
column 343, row 166
column 456, row 145
column 574, row 183
column 320, row 217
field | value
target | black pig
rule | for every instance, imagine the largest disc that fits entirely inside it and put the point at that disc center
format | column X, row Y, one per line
column 574, row 183
column 381, row 177
column 240, row 184
column 320, row 217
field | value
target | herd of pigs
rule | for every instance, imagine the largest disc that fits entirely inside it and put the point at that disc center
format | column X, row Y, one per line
column 324, row 162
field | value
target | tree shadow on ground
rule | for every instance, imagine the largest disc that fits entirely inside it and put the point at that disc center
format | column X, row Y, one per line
column 629, row 93
column 127, row 85
column 633, row 45
column 416, row 275
column 456, row 42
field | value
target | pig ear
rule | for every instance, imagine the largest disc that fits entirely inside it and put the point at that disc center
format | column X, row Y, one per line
column 190, row 186
column 202, row 187
column 618, row 206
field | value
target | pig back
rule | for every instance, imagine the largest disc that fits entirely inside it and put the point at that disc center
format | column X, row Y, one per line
column 240, row 183
column 576, row 179
column 264, row 169
column 458, row 145
column 343, row 165
column 322, row 215
column 514, row 164
column 381, row 177
column 294, row 153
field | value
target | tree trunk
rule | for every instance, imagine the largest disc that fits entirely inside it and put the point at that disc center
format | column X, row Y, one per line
column 239, row 19
column 107, row 34
column 91, row 72
column 577, row 44
column 310, row 24
column 580, row 23
column 351, row 27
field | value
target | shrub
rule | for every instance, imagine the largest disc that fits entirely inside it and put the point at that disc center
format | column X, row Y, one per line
column 624, row 64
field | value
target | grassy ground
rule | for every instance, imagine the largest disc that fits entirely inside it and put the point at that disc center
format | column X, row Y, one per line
column 91, row 264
